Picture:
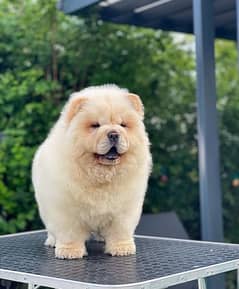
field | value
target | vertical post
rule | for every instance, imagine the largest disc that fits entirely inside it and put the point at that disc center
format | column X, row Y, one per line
column 208, row 142
column 237, row 13
column 210, row 191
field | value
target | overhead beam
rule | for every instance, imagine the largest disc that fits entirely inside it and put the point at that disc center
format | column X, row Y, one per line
column 73, row 6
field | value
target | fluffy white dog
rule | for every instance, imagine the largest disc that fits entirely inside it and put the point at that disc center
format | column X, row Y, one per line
column 90, row 174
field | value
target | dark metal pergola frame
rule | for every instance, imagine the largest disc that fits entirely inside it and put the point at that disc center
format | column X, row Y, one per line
column 208, row 140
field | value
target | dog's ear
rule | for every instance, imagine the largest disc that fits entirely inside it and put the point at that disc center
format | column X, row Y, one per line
column 137, row 103
column 73, row 107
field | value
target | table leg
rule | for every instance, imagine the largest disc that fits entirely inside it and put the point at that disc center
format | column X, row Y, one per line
column 32, row 286
column 237, row 278
column 202, row 283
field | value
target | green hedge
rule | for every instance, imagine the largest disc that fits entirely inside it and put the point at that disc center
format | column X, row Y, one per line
column 45, row 55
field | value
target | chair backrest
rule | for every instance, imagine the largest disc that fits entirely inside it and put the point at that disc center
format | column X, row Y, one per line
column 161, row 225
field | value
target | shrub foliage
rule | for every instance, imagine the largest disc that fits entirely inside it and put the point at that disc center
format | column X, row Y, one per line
column 45, row 56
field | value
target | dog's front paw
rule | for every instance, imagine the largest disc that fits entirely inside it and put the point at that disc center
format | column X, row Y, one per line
column 70, row 251
column 50, row 241
column 121, row 248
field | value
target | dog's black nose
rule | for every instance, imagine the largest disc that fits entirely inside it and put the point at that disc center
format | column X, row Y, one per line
column 113, row 136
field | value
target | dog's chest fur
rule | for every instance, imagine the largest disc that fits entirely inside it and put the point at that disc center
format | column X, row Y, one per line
column 97, row 206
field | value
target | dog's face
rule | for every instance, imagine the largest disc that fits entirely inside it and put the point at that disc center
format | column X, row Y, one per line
column 106, row 125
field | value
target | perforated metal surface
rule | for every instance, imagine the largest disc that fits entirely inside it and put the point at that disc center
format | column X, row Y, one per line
column 155, row 258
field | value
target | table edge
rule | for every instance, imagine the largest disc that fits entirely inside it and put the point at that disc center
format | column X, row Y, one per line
column 159, row 283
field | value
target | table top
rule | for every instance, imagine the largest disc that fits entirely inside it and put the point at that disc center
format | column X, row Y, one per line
column 159, row 263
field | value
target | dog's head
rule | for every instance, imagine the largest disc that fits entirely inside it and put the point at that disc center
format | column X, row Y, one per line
column 105, row 125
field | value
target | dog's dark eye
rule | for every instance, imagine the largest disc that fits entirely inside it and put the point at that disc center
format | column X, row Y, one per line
column 123, row 124
column 95, row 125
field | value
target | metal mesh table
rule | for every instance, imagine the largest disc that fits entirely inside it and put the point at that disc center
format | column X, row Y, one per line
column 159, row 263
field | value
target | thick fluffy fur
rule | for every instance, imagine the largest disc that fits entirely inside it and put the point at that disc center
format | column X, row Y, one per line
column 78, row 191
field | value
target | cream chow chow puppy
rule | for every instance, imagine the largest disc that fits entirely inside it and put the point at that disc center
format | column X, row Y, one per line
column 90, row 174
